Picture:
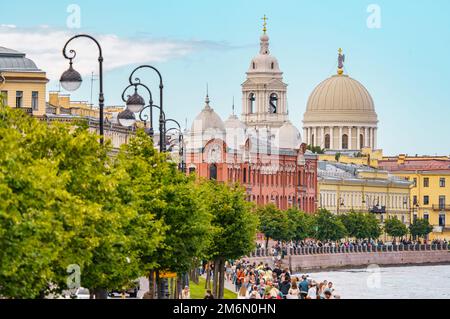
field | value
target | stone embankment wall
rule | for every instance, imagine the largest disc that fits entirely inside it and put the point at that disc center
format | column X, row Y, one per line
column 299, row 263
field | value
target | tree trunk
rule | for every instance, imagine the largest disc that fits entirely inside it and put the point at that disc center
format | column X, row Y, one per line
column 208, row 277
column 151, row 284
column 267, row 244
column 216, row 278
column 100, row 293
column 179, row 288
column 221, row 279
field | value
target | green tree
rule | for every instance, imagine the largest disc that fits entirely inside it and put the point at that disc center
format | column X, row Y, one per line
column 395, row 228
column 60, row 206
column 420, row 228
column 234, row 226
column 302, row 224
column 274, row 223
column 361, row 225
column 315, row 149
column 329, row 226
column 158, row 190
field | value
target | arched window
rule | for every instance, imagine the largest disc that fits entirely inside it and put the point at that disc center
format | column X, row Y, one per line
column 273, row 103
column 213, row 172
column 361, row 141
column 345, row 142
column 254, row 65
column 191, row 170
column 273, row 65
column 251, row 99
column 327, row 141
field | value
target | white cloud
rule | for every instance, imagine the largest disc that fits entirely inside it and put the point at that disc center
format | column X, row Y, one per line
column 44, row 46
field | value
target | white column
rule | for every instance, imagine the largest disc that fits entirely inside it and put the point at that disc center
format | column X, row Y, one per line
column 340, row 138
column 316, row 138
column 308, row 136
column 332, row 138
column 375, row 141
column 366, row 137
column 350, row 138
column 358, row 138
column 322, row 143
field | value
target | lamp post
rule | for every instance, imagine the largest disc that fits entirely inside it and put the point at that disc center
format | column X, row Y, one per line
column 340, row 204
column 71, row 79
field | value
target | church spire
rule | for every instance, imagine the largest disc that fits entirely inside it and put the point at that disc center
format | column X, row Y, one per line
column 207, row 100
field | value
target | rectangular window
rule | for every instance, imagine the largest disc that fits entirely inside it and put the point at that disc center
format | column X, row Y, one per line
column 441, row 202
column 19, row 98
column 4, row 97
column 442, row 220
column 415, row 218
column 415, row 182
column 244, row 174
column 426, row 182
column 415, row 200
column 426, row 216
column 442, row 182
column 35, row 100
column 426, row 200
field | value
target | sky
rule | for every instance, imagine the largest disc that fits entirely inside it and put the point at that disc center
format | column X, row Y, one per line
column 398, row 49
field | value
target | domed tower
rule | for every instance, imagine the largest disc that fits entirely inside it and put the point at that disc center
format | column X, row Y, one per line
column 340, row 114
column 264, row 92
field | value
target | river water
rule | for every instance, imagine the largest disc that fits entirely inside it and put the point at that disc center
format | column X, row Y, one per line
column 415, row 282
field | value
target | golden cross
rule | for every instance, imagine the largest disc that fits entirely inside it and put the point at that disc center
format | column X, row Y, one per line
column 265, row 23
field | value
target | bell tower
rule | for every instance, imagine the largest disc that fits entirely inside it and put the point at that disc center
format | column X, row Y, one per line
column 264, row 94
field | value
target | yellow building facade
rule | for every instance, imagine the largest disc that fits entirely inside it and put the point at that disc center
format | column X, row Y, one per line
column 22, row 83
column 430, row 193
column 349, row 187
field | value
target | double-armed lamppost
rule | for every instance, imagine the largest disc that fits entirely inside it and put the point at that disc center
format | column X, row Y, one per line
column 71, row 79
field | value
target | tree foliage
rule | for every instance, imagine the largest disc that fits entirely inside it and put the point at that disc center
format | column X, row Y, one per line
column 274, row 223
column 361, row 225
column 420, row 228
column 395, row 228
column 302, row 225
column 329, row 226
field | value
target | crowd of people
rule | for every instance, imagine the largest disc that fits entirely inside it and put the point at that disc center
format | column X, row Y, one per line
column 252, row 281
column 281, row 249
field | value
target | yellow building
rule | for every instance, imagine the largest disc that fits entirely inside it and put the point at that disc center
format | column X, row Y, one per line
column 22, row 84
column 430, row 194
column 346, row 187
column 61, row 104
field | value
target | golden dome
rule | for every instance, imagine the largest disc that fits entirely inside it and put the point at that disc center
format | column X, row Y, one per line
column 340, row 98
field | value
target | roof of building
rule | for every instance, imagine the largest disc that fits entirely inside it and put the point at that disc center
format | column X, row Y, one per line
column 14, row 61
column 415, row 164
column 352, row 173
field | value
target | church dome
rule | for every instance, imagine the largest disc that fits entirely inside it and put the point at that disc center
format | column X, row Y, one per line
column 288, row 137
column 340, row 98
column 233, row 123
column 207, row 121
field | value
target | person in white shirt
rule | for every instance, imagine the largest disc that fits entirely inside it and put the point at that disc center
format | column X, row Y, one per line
column 312, row 291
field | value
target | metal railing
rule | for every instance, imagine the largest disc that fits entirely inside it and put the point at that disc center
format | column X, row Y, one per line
column 304, row 251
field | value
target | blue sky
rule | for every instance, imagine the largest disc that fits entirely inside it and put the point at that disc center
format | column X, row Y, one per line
column 405, row 64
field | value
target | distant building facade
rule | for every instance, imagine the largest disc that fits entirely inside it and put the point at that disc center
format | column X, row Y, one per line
column 264, row 152
column 430, row 194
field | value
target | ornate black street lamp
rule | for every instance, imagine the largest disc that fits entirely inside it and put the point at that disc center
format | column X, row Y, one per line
column 71, row 79
column 162, row 129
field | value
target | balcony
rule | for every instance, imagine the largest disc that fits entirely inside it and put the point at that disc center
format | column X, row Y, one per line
column 441, row 208
column 27, row 110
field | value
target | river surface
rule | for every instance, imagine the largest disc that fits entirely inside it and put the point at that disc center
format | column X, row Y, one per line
column 415, row 282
